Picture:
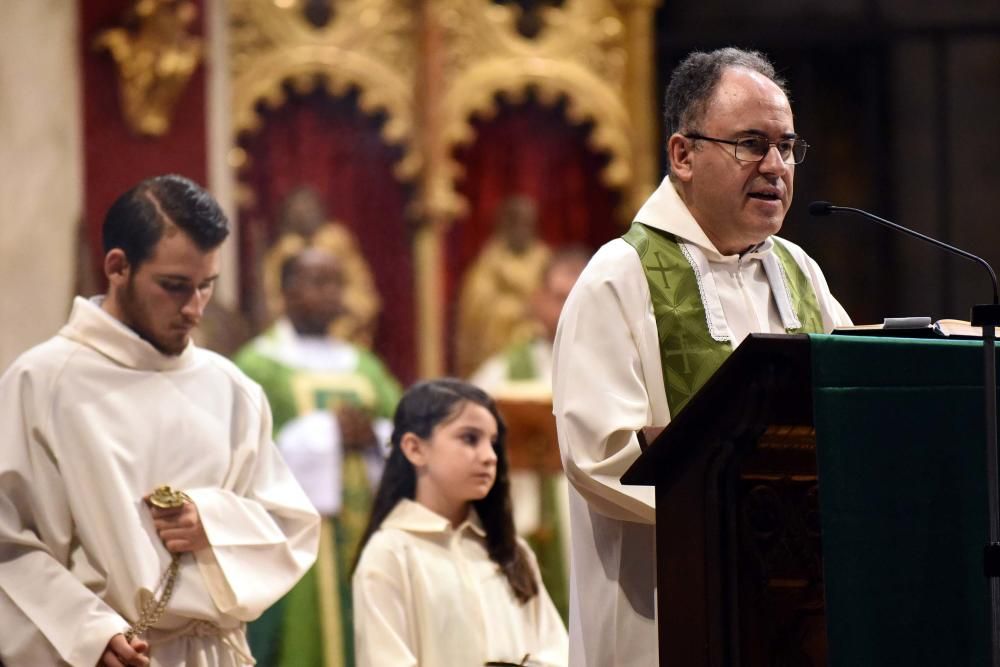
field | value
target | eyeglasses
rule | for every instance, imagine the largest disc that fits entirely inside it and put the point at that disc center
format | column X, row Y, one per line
column 755, row 148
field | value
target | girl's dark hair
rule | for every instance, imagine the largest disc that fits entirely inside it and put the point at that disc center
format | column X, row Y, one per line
column 424, row 407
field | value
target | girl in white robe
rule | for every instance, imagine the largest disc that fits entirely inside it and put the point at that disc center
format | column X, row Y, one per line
column 442, row 578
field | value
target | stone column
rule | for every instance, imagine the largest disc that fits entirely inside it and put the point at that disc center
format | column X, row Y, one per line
column 640, row 99
column 41, row 170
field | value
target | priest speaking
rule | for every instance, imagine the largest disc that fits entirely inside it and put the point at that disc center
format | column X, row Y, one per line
column 658, row 310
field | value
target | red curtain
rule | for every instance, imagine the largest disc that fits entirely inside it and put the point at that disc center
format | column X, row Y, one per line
column 531, row 149
column 329, row 144
column 115, row 159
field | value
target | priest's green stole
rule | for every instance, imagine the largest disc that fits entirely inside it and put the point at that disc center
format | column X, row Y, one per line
column 689, row 354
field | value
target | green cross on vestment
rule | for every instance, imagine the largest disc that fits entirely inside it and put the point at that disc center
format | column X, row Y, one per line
column 681, row 320
column 659, row 268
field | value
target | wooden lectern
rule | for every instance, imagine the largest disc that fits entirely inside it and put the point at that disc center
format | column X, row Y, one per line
column 821, row 501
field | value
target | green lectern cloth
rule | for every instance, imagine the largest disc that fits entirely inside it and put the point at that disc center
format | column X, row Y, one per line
column 902, row 482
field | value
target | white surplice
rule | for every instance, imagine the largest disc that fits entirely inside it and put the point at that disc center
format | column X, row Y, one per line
column 90, row 422
column 608, row 384
column 427, row 595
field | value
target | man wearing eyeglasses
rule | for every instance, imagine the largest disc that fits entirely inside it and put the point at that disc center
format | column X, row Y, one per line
column 657, row 311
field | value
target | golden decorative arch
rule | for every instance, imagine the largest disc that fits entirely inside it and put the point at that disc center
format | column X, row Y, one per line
column 369, row 44
column 581, row 55
column 588, row 99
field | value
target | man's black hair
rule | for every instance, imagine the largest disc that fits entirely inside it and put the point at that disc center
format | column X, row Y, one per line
column 136, row 221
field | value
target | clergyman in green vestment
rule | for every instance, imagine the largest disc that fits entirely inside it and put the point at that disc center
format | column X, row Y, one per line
column 657, row 311
column 332, row 403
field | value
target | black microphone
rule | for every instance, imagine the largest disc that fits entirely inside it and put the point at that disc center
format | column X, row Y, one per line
column 821, row 208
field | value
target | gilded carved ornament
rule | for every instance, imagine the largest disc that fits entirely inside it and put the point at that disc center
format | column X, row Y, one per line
column 156, row 55
column 369, row 44
column 579, row 55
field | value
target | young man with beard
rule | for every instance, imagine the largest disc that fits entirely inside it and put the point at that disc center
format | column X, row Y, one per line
column 96, row 568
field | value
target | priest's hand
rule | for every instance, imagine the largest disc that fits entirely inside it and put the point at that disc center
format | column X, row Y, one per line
column 355, row 427
column 650, row 433
column 180, row 528
column 122, row 653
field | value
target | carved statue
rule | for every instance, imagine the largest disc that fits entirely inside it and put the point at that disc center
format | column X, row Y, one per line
column 493, row 305
column 304, row 222
column 156, row 56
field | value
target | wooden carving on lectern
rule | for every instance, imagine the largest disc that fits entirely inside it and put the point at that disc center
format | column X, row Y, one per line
column 737, row 524
column 780, row 528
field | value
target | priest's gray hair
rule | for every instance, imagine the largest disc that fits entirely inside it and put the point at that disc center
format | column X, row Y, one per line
column 693, row 83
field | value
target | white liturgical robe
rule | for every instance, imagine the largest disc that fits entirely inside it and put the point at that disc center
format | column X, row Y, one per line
column 427, row 594
column 608, row 384
column 92, row 421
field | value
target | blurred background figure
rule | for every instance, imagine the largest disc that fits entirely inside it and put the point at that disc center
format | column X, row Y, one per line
column 331, row 401
column 523, row 371
column 303, row 222
column 493, row 308
column 529, row 356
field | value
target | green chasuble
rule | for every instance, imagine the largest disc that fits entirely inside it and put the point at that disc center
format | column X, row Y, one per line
column 689, row 353
column 311, row 625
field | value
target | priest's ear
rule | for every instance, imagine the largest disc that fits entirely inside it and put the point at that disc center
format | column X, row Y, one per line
column 116, row 267
column 679, row 152
column 413, row 448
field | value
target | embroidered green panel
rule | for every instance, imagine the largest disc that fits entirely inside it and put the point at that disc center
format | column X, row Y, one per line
column 688, row 353
column 800, row 292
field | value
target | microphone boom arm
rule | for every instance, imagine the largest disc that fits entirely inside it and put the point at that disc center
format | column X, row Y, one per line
column 958, row 251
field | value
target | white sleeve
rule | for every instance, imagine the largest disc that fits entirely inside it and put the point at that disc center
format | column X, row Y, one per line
column 263, row 531
column 608, row 382
column 311, row 447
column 44, row 609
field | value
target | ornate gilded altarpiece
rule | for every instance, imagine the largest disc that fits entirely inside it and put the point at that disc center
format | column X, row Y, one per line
column 429, row 66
